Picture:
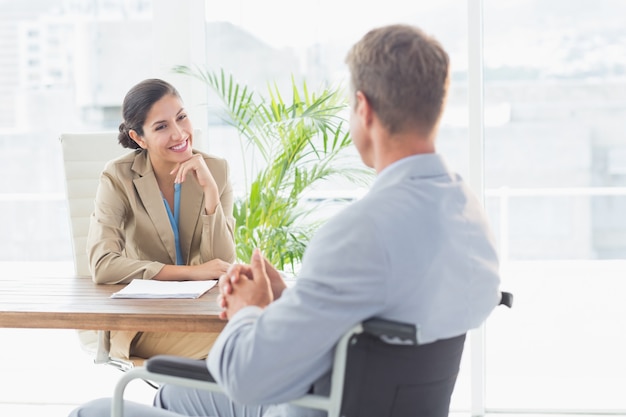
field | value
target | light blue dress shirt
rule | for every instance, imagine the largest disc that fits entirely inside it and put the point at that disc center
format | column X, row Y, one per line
column 415, row 248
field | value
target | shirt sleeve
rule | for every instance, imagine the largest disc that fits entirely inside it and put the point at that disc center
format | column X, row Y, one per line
column 274, row 355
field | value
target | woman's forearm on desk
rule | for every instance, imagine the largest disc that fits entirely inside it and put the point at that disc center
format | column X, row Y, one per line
column 208, row 270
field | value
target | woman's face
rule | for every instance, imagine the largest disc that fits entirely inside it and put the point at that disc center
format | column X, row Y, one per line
column 167, row 132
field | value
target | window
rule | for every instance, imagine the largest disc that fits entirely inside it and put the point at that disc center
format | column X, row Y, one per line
column 556, row 196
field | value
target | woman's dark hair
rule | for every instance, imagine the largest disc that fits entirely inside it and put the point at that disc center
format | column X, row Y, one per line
column 137, row 103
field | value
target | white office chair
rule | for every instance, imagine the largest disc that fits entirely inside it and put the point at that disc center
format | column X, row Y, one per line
column 84, row 158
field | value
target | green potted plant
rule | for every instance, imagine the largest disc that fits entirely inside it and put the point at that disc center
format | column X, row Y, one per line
column 301, row 143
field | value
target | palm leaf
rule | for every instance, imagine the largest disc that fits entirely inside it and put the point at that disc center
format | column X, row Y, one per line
column 302, row 144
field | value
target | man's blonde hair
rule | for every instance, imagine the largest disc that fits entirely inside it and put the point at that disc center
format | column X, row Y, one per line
column 403, row 73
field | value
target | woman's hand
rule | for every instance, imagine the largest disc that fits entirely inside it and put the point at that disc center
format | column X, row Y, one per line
column 197, row 165
column 201, row 172
column 209, row 270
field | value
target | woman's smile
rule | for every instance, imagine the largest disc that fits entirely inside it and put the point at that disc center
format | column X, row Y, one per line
column 181, row 147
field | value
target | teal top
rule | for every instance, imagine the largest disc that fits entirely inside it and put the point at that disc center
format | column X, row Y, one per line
column 174, row 222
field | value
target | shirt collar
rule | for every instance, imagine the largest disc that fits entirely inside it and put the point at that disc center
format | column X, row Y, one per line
column 421, row 165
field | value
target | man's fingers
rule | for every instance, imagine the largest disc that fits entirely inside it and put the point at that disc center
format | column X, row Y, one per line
column 257, row 264
column 235, row 271
column 221, row 301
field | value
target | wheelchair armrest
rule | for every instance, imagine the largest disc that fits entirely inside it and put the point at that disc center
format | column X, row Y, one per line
column 390, row 329
column 178, row 366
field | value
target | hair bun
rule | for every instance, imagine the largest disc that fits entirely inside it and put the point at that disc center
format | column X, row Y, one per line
column 124, row 138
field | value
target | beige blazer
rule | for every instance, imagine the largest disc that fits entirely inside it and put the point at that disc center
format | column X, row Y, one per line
column 130, row 235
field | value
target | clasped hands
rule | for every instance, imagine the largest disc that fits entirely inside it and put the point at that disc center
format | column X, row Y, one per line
column 256, row 284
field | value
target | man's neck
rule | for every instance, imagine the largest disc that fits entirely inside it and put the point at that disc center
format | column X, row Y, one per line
column 393, row 149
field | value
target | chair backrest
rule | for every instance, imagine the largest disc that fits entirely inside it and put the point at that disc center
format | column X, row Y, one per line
column 394, row 380
column 84, row 157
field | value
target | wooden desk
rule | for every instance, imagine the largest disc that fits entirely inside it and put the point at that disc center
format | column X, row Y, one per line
column 78, row 303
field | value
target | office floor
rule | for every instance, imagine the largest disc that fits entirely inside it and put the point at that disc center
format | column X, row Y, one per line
column 46, row 373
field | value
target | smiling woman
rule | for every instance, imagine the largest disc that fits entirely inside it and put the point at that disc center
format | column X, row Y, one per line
column 163, row 212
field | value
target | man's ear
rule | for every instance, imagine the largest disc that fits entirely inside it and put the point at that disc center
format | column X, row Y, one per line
column 138, row 140
column 363, row 108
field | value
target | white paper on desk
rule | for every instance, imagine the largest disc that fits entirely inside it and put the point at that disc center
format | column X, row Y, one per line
column 148, row 288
